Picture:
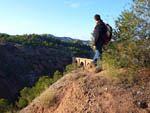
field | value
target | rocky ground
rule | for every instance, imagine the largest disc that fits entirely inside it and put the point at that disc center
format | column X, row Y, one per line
column 87, row 92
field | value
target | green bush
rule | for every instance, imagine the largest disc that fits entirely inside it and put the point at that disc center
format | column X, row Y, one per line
column 71, row 67
column 28, row 94
column 25, row 97
column 129, row 55
column 57, row 75
column 22, row 103
column 4, row 106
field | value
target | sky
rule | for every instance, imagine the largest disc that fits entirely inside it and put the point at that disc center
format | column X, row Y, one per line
column 71, row 18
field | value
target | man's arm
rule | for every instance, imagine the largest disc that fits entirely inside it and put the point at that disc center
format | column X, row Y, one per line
column 96, row 33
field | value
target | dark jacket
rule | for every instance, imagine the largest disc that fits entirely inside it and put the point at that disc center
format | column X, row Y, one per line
column 99, row 32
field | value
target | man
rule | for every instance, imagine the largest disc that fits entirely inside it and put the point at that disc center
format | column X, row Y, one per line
column 99, row 31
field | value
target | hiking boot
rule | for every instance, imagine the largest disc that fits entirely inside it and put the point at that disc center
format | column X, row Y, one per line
column 97, row 70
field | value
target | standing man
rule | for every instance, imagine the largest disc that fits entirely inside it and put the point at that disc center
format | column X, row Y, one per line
column 99, row 31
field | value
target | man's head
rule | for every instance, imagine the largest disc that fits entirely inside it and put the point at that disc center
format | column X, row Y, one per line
column 97, row 18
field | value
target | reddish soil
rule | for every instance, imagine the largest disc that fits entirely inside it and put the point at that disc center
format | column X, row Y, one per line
column 86, row 92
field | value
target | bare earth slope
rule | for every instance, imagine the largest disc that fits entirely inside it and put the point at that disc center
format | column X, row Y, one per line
column 86, row 92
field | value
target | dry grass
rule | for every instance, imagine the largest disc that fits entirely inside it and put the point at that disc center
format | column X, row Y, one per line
column 48, row 98
column 110, row 72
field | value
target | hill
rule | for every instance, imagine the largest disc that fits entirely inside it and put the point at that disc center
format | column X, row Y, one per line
column 22, row 66
column 75, row 48
column 69, row 39
column 85, row 92
column 26, row 58
column 66, row 39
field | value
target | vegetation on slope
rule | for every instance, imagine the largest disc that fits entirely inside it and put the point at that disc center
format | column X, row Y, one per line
column 25, row 58
column 28, row 94
column 130, row 51
column 75, row 48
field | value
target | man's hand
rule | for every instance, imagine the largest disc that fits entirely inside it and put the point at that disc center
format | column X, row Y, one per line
column 94, row 47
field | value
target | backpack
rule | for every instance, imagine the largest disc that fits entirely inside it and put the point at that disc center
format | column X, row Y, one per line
column 108, row 35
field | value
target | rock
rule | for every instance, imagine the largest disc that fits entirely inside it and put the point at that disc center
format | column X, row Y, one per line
column 106, row 89
column 140, row 92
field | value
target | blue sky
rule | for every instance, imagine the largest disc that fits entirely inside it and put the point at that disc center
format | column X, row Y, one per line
column 72, row 18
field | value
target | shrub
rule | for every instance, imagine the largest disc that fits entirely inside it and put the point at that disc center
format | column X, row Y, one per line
column 4, row 106
column 48, row 98
column 25, row 97
column 57, row 75
column 22, row 103
column 71, row 67
column 128, row 55
column 28, row 94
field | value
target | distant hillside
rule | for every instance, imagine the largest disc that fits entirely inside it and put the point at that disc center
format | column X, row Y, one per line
column 69, row 39
column 22, row 66
column 25, row 58
column 75, row 48
column 66, row 39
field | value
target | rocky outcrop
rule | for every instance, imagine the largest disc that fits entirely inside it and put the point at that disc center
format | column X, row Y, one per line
column 21, row 66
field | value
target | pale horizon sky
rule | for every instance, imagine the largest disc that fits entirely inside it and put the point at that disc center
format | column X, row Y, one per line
column 73, row 18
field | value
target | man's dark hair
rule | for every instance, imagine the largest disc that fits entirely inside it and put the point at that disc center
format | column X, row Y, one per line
column 97, row 17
